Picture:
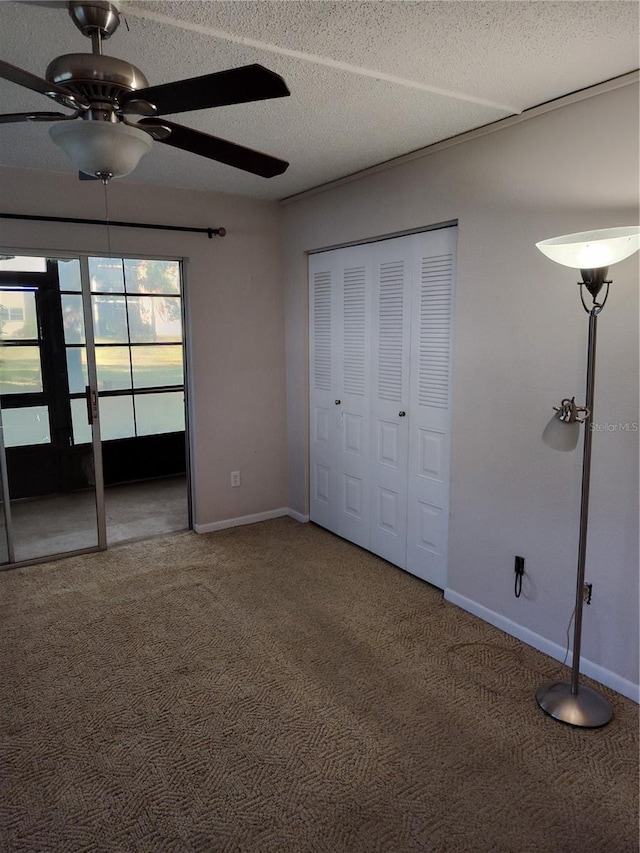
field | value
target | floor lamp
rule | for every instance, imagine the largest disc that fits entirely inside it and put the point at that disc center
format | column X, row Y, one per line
column 592, row 252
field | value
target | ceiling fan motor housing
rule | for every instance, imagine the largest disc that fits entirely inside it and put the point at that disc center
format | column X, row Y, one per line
column 97, row 80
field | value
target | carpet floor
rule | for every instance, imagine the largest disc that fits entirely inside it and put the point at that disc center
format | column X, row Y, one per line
column 54, row 524
column 273, row 688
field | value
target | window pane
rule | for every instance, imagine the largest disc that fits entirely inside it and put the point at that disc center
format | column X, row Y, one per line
column 18, row 318
column 109, row 319
column 77, row 369
column 154, row 319
column 116, row 418
column 26, row 426
column 69, row 274
column 20, row 371
column 106, row 275
column 113, row 367
column 81, row 427
column 152, row 276
column 156, row 413
column 157, row 366
column 24, row 264
column 72, row 318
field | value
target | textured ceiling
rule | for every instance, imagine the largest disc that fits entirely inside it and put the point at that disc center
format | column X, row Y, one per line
column 369, row 81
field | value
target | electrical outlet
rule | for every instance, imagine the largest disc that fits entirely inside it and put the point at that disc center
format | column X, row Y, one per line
column 235, row 478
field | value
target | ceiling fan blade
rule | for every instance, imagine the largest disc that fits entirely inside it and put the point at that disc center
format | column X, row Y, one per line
column 220, row 150
column 39, row 84
column 7, row 118
column 235, row 86
column 84, row 177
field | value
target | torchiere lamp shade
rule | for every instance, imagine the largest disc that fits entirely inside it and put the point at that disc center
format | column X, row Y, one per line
column 592, row 249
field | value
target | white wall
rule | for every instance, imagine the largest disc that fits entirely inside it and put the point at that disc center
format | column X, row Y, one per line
column 520, row 346
column 235, row 316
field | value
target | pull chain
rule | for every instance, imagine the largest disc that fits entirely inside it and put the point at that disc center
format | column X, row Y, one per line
column 106, row 217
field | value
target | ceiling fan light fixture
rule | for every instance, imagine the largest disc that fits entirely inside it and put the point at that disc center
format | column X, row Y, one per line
column 101, row 148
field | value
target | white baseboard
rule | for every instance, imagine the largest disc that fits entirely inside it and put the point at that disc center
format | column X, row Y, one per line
column 298, row 516
column 587, row 667
column 249, row 519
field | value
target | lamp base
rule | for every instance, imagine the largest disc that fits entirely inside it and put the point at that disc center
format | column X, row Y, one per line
column 586, row 708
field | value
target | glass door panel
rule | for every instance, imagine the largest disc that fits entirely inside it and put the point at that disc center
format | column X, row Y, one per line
column 139, row 343
column 49, row 470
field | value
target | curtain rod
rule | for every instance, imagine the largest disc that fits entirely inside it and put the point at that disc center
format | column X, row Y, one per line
column 210, row 232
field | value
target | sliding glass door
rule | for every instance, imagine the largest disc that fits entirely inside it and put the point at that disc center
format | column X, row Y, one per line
column 92, row 404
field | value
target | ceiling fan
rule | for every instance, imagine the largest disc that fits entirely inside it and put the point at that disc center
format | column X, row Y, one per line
column 115, row 112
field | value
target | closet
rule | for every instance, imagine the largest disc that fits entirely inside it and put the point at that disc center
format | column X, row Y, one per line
column 380, row 370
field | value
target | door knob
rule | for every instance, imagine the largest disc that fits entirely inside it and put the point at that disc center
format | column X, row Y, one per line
column 401, row 414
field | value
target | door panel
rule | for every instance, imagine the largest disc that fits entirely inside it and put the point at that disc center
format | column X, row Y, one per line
column 353, row 434
column 49, row 478
column 352, row 355
column 323, row 491
column 389, row 439
column 390, row 396
column 354, row 497
column 430, row 528
column 428, row 472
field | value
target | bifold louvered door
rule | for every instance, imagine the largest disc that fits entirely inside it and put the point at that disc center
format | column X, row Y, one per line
column 323, row 382
column 391, row 288
column 340, row 401
column 429, row 406
column 380, row 333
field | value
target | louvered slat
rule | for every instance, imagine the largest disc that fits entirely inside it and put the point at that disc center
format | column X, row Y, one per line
column 435, row 328
column 322, row 330
column 353, row 335
column 390, row 331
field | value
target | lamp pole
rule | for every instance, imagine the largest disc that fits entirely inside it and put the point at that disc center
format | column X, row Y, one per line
column 570, row 702
column 584, row 503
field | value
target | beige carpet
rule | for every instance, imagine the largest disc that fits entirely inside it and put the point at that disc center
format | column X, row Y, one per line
column 273, row 688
